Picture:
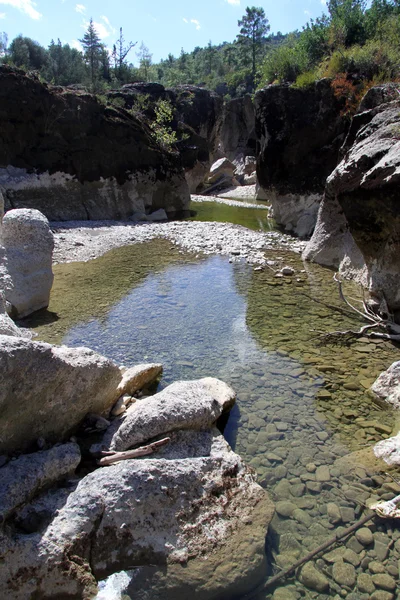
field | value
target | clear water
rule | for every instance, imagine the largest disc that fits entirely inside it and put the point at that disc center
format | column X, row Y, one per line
column 253, row 218
column 302, row 403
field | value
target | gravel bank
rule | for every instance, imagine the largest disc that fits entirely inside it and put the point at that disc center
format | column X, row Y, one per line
column 229, row 202
column 85, row 240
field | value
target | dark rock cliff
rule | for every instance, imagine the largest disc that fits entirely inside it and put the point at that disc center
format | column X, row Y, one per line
column 299, row 133
column 237, row 134
column 197, row 116
column 362, row 199
column 71, row 157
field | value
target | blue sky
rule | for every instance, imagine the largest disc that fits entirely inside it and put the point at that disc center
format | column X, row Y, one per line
column 164, row 26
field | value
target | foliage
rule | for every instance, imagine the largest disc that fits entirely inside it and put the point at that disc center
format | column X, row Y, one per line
column 25, row 52
column 145, row 62
column 284, row 63
column 348, row 93
column 93, row 52
column 254, row 26
column 161, row 126
column 306, row 79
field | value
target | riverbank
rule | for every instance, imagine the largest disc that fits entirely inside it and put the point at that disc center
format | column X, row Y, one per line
column 86, row 240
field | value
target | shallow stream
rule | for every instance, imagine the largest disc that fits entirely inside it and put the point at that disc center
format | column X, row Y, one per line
column 303, row 403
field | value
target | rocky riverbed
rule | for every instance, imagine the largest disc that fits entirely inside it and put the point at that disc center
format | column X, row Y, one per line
column 83, row 240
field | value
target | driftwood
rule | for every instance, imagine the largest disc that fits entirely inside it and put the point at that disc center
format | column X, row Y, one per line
column 283, row 574
column 384, row 320
column 109, row 458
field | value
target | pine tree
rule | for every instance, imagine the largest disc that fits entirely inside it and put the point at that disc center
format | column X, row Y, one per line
column 254, row 26
column 120, row 52
column 92, row 50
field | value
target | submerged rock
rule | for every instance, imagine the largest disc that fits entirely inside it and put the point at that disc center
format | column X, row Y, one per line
column 46, row 391
column 29, row 244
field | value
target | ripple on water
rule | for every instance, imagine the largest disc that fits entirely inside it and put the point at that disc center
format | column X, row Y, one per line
column 302, row 407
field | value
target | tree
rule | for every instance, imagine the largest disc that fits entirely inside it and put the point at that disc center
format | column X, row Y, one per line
column 92, row 50
column 25, row 52
column 347, row 22
column 144, row 55
column 3, row 45
column 120, row 52
column 254, row 26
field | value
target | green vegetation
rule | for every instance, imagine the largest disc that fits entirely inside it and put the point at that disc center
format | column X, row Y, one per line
column 353, row 45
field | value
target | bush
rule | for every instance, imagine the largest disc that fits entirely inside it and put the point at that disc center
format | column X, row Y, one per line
column 284, row 63
column 307, row 79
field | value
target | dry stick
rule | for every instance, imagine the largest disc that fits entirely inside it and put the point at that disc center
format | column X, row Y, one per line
column 310, row 555
column 114, row 457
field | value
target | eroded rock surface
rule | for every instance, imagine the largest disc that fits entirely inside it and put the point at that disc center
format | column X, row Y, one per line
column 205, row 512
column 80, row 159
column 46, row 391
column 387, row 386
column 362, row 193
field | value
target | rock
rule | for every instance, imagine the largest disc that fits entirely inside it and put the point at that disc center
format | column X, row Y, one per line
column 366, row 182
column 313, row 579
column 237, row 135
column 203, row 513
column 351, row 557
column 322, row 473
column 299, row 132
column 285, row 508
column 61, row 385
column 344, row 574
column 138, row 377
column 182, row 405
column 387, row 386
column 381, row 595
column 157, row 216
column 365, row 583
column 250, row 179
column 288, row 271
column 333, row 512
column 384, row 581
column 364, row 536
column 389, row 450
column 23, row 478
column 29, row 244
column 221, row 168
column 48, row 167
column 376, row 567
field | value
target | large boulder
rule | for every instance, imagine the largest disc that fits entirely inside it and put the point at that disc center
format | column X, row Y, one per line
column 78, row 158
column 299, row 132
column 363, row 194
column 46, row 391
column 29, row 243
column 194, row 516
column 182, row 405
column 387, row 386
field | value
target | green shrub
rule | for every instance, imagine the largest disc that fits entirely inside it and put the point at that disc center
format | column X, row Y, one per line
column 284, row 63
column 307, row 79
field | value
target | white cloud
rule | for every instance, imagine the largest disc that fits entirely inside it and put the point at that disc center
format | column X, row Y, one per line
column 107, row 22
column 307, row 13
column 185, row 20
column 102, row 30
column 2, row 15
column 25, row 6
column 80, row 8
column 234, row 2
column 196, row 23
column 323, row 2
column 76, row 44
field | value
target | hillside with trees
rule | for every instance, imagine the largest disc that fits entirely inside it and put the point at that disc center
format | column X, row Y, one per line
column 353, row 45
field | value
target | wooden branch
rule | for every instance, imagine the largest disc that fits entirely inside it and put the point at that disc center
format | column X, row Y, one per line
column 273, row 580
column 110, row 458
column 342, row 297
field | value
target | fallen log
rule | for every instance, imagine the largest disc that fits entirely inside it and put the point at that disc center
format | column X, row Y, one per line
column 109, row 458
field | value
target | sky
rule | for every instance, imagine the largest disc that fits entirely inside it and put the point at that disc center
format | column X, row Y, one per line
column 163, row 26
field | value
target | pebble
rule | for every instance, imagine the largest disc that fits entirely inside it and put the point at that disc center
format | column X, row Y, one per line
column 365, row 583
column 384, row 581
column 351, row 557
column 364, row 536
column 322, row 474
column 285, row 508
column 376, row 567
column 381, row 595
column 313, row 579
column 344, row 573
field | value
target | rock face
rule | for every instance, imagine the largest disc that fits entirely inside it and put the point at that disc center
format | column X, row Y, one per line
column 29, row 244
column 196, row 120
column 204, row 512
column 237, row 133
column 46, row 391
column 80, row 159
column 363, row 192
column 299, row 133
